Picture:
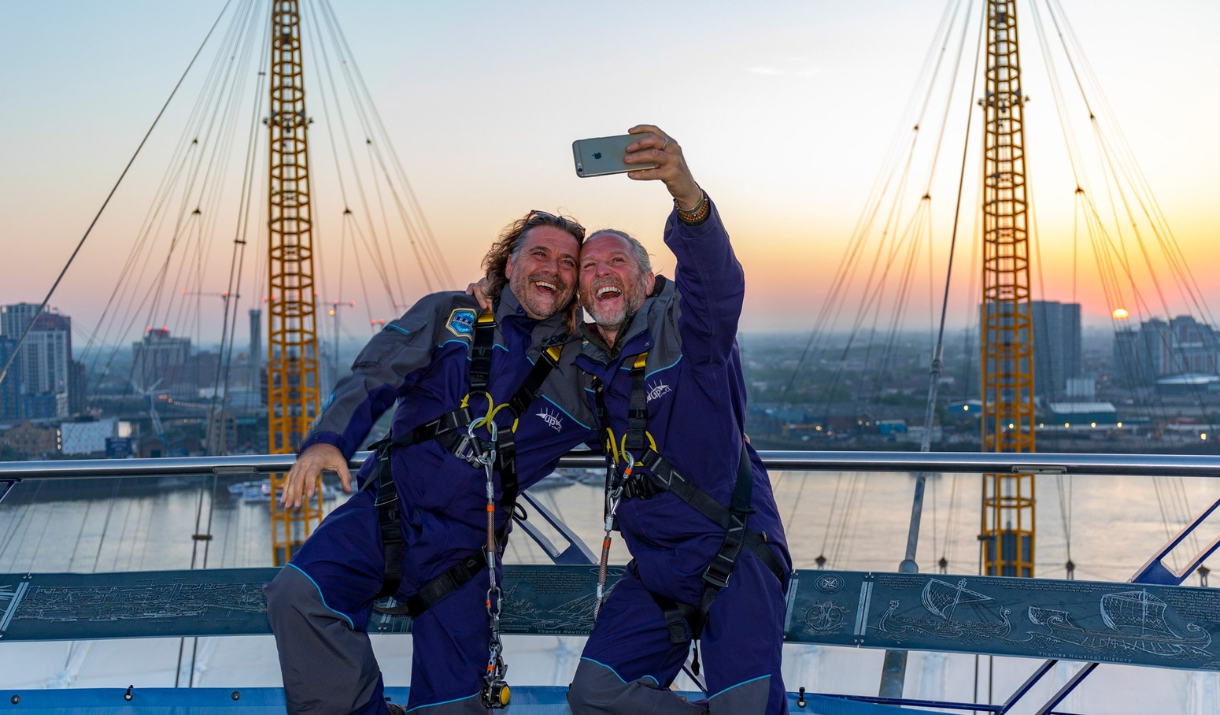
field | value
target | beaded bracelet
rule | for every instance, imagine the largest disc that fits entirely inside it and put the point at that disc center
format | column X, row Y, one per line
column 698, row 214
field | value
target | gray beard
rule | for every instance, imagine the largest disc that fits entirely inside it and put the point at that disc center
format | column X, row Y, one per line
column 609, row 322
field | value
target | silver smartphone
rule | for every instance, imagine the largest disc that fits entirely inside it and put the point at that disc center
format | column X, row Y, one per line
column 604, row 155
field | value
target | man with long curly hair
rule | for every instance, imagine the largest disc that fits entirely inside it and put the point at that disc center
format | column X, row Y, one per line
column 417, row 527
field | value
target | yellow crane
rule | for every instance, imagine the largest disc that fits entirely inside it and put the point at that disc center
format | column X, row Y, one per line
column 292, row 344
column 1007, row 335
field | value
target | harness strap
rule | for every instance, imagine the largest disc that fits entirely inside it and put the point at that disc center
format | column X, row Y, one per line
column 448, row 423
column 637, row 411
column 431, row 593
column 387, row 504
column 481, row 348
column 663, row 477
column 680, row 619
column 506, row 450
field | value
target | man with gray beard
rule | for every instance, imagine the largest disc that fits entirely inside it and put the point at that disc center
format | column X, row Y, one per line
column 691, row 497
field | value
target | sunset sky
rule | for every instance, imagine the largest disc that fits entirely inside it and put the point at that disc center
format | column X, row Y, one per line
column 785, row 111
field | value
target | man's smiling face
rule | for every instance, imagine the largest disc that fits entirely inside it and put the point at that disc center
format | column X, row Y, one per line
column 542, row 273
column 612, row 283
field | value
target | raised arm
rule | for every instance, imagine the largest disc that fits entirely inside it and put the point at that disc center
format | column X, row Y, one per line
column 708, row 277
column 711, row 284
column 382, row 369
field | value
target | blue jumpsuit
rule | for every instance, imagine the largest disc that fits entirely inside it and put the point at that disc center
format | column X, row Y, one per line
column 696, row 405
column 319, row 605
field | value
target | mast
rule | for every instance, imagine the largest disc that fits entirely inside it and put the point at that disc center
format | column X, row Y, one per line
column 1007, row 333
column 292, row 338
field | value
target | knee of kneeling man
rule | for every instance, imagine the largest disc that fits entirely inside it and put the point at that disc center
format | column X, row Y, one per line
column 286, row 590
column 593, row 688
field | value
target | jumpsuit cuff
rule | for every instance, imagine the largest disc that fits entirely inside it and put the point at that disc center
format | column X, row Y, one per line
column 332, row 438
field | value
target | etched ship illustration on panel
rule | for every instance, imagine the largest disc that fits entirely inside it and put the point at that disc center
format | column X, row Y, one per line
column 522, row 616
column 1135, row 621
column 951, row 612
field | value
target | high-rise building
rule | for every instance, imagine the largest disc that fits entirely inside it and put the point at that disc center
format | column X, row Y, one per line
column 78, row 386
column 1180, row 346
column 1127, row 360
column 10, row 388
column 256, row 338
column 45, row 358
column 15, row 318
column 1057, row 354
column 158, row 356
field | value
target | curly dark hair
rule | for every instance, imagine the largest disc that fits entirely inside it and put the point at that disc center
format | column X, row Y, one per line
column 509, row 243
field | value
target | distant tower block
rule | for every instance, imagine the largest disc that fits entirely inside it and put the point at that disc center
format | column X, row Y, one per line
column 292, row 337
column 1007, row 332
column 256, row 339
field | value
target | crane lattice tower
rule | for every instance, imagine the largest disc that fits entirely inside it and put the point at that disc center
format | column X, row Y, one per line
column 292, row 345
column 1007, row 335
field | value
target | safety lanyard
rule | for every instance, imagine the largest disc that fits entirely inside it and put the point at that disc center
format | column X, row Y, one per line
column 633, row 443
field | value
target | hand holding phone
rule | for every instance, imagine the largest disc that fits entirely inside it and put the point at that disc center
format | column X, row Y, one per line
column 603, row 156
column 655, row 157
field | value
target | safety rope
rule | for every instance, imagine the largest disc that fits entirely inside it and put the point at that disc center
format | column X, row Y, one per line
column 496, row 693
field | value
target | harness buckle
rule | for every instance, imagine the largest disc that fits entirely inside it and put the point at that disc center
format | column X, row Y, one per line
column 385, row 497
column 465, row 451
column 717, row 577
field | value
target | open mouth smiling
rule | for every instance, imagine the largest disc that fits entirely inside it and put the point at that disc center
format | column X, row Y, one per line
column 608, row 293
column 546, row 287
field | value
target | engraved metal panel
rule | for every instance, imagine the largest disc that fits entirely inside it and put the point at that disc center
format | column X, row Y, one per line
column 1162, row 626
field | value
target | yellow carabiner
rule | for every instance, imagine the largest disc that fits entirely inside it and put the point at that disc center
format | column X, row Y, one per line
column 612, row 446
column 491, row 414
column 651, row 443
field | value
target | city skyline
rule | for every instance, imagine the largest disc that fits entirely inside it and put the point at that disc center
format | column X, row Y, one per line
column 784, row 82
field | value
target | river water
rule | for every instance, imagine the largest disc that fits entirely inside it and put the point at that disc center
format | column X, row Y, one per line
column 857, row 521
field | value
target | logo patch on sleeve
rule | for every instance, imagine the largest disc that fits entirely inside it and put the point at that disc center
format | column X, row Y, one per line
column 461, row 322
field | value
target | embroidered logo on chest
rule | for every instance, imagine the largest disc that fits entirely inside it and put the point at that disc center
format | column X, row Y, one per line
column 660, row 389
column 552, row 419
column 461, row 322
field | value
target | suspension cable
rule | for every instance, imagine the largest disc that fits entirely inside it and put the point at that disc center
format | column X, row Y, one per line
column 80, row 244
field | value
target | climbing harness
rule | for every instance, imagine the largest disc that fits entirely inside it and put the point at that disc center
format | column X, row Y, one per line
column 455, row 431
column 627, row 483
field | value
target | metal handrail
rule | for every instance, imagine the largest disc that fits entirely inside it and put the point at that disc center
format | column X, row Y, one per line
column 1153, row 465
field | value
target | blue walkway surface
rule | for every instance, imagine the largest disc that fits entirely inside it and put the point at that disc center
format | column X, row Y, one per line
column 270, row 701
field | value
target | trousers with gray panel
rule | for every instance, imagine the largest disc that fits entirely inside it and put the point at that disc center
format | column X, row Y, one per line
column 630, row 660
column 320, row 606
